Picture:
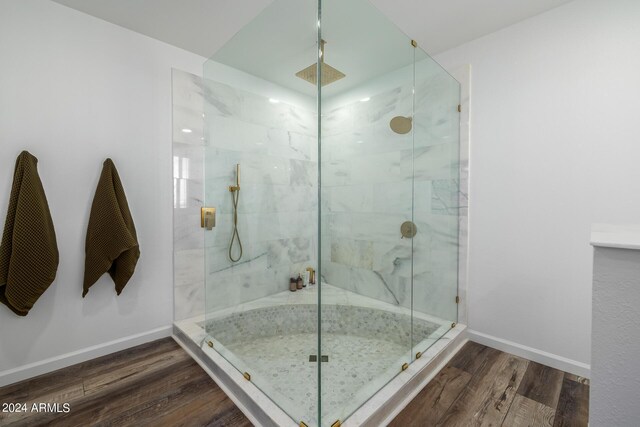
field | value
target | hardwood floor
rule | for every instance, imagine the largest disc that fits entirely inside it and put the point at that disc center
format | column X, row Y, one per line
column 154, row 384
column 485, row 387
column 158, row 384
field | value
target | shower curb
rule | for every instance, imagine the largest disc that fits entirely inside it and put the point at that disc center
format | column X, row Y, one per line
column 377, row 411
column 239, row 390
column 389, row 401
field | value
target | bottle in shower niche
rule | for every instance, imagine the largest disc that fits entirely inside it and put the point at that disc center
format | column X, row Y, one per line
column 299, row 282
column 293, row 284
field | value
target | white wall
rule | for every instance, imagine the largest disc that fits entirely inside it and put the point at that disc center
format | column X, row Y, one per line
column 73, row 91
column 554, row 148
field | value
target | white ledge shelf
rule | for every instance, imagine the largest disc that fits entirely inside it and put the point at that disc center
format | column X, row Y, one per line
column 616, row 236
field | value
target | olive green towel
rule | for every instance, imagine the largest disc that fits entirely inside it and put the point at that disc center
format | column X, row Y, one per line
column 112, row 244
column 29, row 252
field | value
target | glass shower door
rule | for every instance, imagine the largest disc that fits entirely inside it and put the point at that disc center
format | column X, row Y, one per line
column 261, row 176
column 353, row 174
column 367, row 221
column 436, row 203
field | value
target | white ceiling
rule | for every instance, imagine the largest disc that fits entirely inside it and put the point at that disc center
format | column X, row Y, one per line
column 439, row 25
column 202, row 26
column 286, row 36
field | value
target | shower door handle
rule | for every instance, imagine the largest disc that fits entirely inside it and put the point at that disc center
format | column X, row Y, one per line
column 207, row 218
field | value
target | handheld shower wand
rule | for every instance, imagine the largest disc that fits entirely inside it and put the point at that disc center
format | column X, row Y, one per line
column 235, row 195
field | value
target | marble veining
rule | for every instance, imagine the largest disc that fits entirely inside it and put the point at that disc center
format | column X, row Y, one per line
column 374, row 179
column 276, row 147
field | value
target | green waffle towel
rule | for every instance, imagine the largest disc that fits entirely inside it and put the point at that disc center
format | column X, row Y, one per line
column 29, row 252
column 112, row 244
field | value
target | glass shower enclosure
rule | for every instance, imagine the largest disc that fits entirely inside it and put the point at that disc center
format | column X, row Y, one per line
column 333, row 158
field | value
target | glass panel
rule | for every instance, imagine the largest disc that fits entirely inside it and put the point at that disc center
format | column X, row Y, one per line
column 261, row 120
column 366, row 189
column 436, row 184
column 380, row 229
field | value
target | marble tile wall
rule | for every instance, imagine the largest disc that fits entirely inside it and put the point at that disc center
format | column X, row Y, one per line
column 276, row 147
column 367, row 193
column 374, row 179
column 188, row 182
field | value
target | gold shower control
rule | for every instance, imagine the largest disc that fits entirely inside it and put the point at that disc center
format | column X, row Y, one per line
column 207, row 218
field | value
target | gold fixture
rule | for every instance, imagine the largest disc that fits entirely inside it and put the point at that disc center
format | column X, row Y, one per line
column 210, row 343
column 329, row 74
column 312, row 275
column 408, row 229
column 235, row 196
column 247, row 376
column 234, row 188
column 303, row 424
column 207, row 218
column 414, row 43
column 453, row 325
column 401, row 124
column 337, row 423
column 459, row 108
column 405, row 366
column 418, row 355
column 457, row 299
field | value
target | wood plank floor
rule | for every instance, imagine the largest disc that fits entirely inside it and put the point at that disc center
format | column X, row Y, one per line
column 485, row 387
column 155, row 384
column 158, row 384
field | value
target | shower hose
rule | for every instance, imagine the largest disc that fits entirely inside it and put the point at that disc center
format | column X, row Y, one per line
column 235, row 236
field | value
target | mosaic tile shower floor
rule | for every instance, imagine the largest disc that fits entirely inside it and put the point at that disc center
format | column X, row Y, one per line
column 366, row 341
column 354, row 362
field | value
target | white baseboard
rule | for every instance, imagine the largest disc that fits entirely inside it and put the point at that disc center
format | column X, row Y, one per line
column 31, row 370
column 239, row 403
column 539, row 356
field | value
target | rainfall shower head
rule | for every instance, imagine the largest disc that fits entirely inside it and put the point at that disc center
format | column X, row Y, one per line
column 401, row 124
column 329, row 74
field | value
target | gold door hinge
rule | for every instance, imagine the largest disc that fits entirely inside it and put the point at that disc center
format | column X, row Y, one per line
column 418, row 355
column 457, row 299
column 210, row 343
column 414, row 44
column 405, row 366
column 337, row 423
column 459, row 108
column 247, row 376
